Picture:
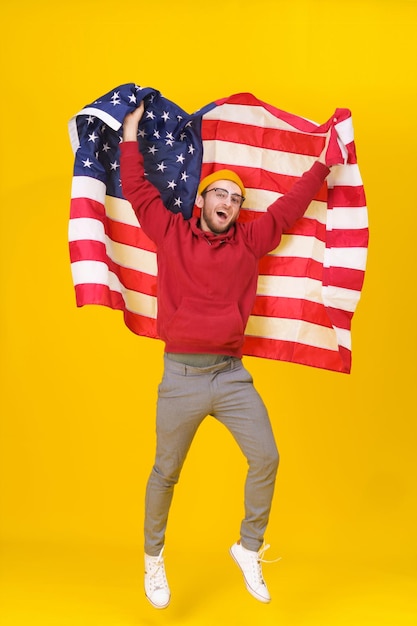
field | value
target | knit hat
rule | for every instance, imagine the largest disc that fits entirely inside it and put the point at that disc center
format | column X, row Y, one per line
column 221, row 175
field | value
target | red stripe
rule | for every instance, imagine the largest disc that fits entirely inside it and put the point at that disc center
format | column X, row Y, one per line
column 98, row 294
column 348, row 238
column 102, row 295
column 294, row 120
column 133, row 279
column 290, row 266
column 344, row 278
column 85, row 207
column 298, row 353
column 344, row 196
column 339, row 318
column 254, row 178
column 129, row 235
column 141, row 325
column 293, row 309
column 87, row 250
column 264, row 138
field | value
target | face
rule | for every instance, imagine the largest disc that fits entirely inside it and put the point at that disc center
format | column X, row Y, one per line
column 218, row 214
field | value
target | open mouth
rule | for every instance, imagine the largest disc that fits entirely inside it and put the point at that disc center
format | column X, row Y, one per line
column 222, row 215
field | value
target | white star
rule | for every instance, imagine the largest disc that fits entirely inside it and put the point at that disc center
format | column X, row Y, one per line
column 179, row 118
column 114, row 166
column 87, row 163
column 141, row 133
column 115, row 99
column 92, row 137
column 170, row 136
column 156, row 134
column 161, row 167
column 132, row 98
column 188, row 124
column 191, row 149
column 183, row 136
column 184, row 176
column 172, row 184
column 90, row 119
column 180, row 158
column 150, row 115
column 153, row 149
column 106, row 147
column 178, row 202
column 169, row 142
column 165, row 116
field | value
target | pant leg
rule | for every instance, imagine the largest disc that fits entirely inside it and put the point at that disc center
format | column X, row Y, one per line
column 183, row 403
column 240, row 408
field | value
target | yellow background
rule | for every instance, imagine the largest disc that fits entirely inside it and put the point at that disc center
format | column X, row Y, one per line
column 78, row 389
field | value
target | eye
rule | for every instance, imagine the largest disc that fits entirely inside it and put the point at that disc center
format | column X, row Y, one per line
column 221, row 193
column 235, row 200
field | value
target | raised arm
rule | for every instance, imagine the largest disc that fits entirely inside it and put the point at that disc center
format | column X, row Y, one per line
column 154, row 217
column 264, row 233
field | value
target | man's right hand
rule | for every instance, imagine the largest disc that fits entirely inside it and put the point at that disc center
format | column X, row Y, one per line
column 131, row 123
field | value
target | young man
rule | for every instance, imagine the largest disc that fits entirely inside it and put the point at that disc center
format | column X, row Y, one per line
column 207, row 278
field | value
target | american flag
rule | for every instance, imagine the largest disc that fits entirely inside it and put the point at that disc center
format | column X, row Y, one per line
column 308, row 288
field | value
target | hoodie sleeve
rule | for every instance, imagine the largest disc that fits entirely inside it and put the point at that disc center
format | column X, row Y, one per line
column 264, row 233
column 154, row 217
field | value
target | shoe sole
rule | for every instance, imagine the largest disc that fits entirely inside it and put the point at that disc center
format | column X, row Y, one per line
column 248, row 587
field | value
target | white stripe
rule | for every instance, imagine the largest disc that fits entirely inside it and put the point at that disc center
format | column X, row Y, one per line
column 120, row 210
column 247, row 114
column 94, row 272
column 82, row 229
column 88, row 187
column 258, row 201
column 347, row 258
column 347, row 175
column 292, row 330
column 301, row 246
column 338, row 298
column 349, row 218
column 85, row 228
column 140, row 303
column 290, row 287
column 102, row 115
column 345, row 130
column 133, row 258
column 243, row 155
column 344, row 337
column 73, row 134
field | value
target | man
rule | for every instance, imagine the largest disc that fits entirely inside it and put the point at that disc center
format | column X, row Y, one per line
column 207, row 278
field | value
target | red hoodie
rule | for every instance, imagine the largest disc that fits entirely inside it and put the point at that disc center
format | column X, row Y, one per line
column 206, row 282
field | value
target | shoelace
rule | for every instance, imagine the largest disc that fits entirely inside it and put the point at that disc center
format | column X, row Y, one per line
column 261, row 553
column 256, row 563
column 157, row 573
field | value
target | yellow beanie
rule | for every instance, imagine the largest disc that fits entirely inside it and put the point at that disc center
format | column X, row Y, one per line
column 221, row 175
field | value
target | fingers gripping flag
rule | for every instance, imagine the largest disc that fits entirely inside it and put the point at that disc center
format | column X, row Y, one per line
column 308, row 288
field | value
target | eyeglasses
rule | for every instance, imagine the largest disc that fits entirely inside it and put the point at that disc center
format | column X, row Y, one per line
column 222, row 194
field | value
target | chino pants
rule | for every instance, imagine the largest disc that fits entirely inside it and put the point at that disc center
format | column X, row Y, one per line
column 186, row 396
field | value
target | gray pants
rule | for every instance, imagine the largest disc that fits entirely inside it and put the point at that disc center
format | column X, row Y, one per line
column 186, row 396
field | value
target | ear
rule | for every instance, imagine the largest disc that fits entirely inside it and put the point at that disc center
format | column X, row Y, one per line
column 199, row 201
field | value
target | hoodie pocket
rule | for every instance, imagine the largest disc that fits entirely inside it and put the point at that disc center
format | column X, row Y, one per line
column 206, row 325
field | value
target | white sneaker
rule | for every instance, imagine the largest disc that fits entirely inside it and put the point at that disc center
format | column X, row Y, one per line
column 156, row 584
column 249, row 562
